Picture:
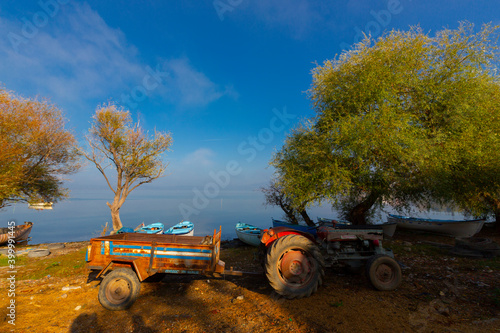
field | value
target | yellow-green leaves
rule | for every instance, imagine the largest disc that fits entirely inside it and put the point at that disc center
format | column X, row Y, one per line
column 135, row 156
column 396, row 116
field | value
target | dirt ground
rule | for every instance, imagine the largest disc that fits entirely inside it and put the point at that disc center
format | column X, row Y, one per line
column 440, row 293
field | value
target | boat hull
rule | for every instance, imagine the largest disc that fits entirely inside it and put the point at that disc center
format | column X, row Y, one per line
column 299, row 227
column 21, row 233
column 466, row 228
column 388, row 228
column 248, row 234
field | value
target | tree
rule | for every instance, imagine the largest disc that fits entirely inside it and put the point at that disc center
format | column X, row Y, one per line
column 398, row 120
column 115, row 140
column 36, row 151
column 275, row 197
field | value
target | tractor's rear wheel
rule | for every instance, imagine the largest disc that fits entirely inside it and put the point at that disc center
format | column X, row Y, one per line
column 294, row 266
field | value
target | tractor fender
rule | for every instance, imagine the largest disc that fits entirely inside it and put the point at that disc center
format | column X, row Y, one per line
column 269, row 236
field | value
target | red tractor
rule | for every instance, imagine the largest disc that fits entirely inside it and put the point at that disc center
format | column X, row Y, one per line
column 294, row 261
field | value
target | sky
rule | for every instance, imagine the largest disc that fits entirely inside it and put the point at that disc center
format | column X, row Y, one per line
column 227, row 78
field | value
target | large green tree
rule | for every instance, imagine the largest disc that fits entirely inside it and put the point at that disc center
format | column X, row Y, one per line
column 135, row 158
column 36, row 151
column 398, row 120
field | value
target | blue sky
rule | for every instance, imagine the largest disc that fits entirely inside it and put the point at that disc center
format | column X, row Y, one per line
column 227, row 78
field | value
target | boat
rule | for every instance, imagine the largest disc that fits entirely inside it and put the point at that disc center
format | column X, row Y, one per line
column 184, row 228
column 153, row 228
column 19, row 233
column 248, row 233
column 465, row 228
column 323, row 221
column 388, row 228
column 40, row 205
column 300, row 227
column 124, row 230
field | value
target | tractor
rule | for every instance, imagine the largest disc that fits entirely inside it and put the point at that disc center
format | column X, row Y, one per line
column 294, row 261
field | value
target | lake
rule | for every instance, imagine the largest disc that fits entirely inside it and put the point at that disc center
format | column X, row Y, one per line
column 84, row 215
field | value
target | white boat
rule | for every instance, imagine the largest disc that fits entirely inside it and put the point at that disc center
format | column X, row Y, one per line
column 248, row 233
column 464, row 228
column 40, row 205
column 388, row 228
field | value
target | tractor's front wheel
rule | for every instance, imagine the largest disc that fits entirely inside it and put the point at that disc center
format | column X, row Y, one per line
column 294, row 266
column 384, row 272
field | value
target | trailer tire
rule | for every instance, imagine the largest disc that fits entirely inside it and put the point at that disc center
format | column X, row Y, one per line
column 384, row 272
column 119, row 289
column 37, row 253
column 294, row 266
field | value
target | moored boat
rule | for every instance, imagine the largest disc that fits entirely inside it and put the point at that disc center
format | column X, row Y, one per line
column 40, row 205
column 463, row 228
column 248, row 233
column 301, row 227
column 19, row 233
column 153, row 228
column 331, row 222
column 388, row 228
column 184, row 228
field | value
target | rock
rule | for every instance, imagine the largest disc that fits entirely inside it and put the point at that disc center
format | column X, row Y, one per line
column 78, row 307
column 71, row 288
column 237, row 299
column 64, row 296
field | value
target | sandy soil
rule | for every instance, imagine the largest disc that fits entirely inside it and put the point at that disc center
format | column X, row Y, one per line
column 440, row 293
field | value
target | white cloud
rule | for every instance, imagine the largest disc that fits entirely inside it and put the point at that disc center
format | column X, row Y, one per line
column 200, row 157
column 189, row 87
column 75, row 58
column 298, row 17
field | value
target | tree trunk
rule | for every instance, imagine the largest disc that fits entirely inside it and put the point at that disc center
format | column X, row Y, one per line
column 357, row 215
column 289, row 212
column 497, row 218
column 495, row 207
column 306, row 218
column 115, row 215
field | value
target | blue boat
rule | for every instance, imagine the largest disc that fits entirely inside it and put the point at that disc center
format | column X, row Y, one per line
column 323, row 221
column 184, row 228
column 300, row 227
column 153, row 228
column 124, row 230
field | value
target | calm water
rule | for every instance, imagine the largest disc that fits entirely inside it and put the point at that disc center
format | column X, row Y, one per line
column 84, row 215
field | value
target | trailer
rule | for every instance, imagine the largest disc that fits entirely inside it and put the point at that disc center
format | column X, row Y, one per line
column 294, row 261
column 124, row 260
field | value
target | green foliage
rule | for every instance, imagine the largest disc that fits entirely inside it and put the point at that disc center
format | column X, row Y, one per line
column 399, row 119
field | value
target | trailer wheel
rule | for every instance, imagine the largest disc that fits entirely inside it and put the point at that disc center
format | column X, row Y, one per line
column 119, row 289
column 384, row 272
column 294, row 266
